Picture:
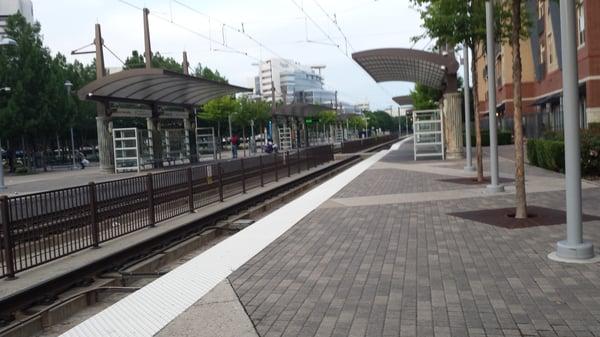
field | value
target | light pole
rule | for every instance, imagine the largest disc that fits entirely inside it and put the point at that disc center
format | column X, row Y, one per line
column 494, row 187
column 469, row 167
column 68, row 86
column 574, row 248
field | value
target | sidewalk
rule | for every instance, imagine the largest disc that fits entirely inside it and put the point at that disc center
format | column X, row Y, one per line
column 385, row 257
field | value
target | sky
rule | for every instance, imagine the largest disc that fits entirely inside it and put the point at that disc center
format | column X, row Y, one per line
column 308, row 37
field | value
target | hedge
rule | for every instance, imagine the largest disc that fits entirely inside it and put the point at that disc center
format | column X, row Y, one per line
column 504, row 138
column 550, row 153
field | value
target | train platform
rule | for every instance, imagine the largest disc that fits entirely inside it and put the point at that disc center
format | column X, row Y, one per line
column 390, row 247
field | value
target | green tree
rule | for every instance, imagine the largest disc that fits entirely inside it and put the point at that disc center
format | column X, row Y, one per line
column 209, row 74
column 36, row 106
column 137, row 60
column 424, row 97
column 218, row 110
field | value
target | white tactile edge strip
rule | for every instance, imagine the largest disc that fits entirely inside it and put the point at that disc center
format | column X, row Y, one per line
column 148, row 310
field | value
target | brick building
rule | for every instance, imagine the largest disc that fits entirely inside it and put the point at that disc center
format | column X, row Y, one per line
column 542, row 75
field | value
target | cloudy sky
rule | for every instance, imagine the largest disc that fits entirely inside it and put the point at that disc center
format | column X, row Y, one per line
column 280, row 25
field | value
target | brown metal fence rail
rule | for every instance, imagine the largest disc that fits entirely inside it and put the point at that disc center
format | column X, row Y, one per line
column 354, row 146
column 41, row 227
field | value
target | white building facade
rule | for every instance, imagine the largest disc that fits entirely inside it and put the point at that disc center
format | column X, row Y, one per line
column 11, row 7
column 293, row 83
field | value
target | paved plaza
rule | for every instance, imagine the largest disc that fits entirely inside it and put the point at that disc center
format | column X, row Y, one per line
column 385, row 257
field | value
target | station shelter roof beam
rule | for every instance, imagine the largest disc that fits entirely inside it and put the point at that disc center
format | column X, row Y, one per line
column 434, row 70
column 156, row 87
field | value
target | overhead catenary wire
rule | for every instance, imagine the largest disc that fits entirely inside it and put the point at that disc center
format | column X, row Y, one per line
column 113, row 54
column 192, row 31
column 335, row 23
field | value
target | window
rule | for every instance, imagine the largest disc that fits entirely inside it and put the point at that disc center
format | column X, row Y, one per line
column 550, row 49
column 581, row 23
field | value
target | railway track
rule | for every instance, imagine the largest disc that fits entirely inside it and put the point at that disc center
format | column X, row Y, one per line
column 16, row 315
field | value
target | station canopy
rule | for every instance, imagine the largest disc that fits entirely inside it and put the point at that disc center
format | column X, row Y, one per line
column 434, row 70
column 403, row 100
column 156, row 87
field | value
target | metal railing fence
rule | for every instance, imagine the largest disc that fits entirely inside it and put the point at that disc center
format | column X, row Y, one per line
column 358, row 145
column 42, row 227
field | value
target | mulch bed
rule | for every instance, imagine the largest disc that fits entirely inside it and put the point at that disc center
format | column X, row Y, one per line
column 504, row 217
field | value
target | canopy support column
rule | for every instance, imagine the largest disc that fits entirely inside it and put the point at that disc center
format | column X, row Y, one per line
column 453, row 126
column 105, row 143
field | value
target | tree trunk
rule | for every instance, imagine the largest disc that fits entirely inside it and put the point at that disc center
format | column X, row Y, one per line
column 515, row 41
column 478, row 150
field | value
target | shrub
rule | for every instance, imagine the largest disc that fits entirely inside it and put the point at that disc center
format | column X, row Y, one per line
column 504, row 138
column 590, row 152
column 21, row 170
column 550, row 154
column 531, row 152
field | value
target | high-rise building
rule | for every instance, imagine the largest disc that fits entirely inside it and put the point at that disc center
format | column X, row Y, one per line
column 11, row 7
column 542, row 71
column 293, row 83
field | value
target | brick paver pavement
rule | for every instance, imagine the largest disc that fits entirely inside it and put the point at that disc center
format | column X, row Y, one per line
column 410, row 269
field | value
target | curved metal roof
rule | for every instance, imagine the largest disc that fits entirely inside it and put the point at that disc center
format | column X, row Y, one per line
column 409, row 65
column 403, row 100
column 156, row 86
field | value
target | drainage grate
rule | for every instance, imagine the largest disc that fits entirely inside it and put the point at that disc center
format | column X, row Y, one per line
column 473, row 181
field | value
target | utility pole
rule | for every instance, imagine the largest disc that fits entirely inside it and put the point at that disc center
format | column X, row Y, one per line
column 574, row 248
column 469, row 167
column 494, row 187
column 148, row 48
column 185, row 64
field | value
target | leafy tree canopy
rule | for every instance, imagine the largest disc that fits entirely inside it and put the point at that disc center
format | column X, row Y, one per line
column 424, row 97
column 209, row 74
column 136, row 60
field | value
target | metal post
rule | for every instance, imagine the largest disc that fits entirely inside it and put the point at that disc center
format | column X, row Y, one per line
column 467, row 93
column 298, row 161
column 190, row 182
column 287, row 160
column 73, row 149
column 574, row 247
column 276, row 170
column 94, row 215
column 7, row 239
column 147, row 46
column 262, row 179
column 253, row 143
column 243, row 175
column 494, row 187
column 220, row 172
column 150, row 190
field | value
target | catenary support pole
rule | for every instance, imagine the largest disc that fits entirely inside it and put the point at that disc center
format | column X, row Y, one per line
column 494, row 187
column 467, row 94
column 573, row 248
